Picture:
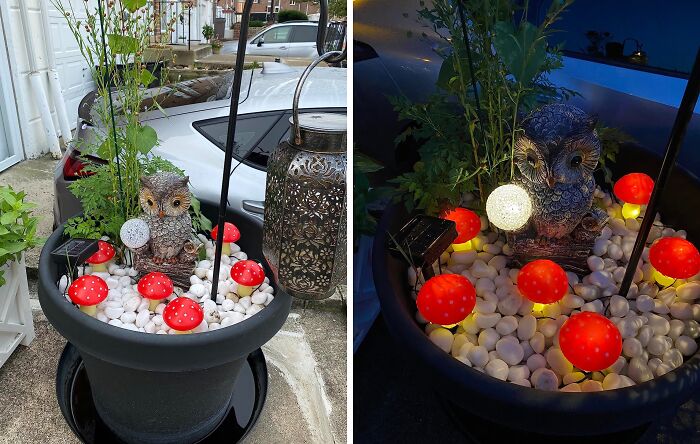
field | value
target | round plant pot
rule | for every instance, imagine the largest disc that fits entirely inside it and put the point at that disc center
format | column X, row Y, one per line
column 151, row 388
column 510, row 405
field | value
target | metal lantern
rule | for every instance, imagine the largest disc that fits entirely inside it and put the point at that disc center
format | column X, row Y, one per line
column 304, row 235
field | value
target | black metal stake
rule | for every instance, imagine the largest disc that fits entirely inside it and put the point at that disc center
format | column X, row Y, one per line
column 680, row 125
column 228, row 156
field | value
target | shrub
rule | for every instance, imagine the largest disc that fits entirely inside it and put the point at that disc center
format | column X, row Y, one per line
column 17, row 227
column 286, row 15
column 256, row 24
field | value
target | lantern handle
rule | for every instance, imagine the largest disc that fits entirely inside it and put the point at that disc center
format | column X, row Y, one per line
column 300, row 85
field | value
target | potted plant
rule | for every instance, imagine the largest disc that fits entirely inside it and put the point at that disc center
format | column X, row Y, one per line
column 149, row 383
column 471, row 147
column 216, row 46
column 17, row 234
column 208, row 32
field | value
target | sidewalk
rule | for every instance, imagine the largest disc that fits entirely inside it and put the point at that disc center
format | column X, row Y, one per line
column 306, row 401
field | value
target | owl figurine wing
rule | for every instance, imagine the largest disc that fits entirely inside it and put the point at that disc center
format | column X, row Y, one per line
column 557, row 155
column 169, row 234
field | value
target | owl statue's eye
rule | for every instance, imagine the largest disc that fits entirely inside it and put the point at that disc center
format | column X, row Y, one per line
column 176, row 203
column 150, row 203
column 531, row 159
column 576, row 160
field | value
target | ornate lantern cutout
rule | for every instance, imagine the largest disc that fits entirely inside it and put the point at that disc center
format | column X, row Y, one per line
column 304, row 235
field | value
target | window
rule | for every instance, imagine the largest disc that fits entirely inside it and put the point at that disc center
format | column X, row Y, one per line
column 277, row 9
column 292, row 3
column 277, row 35
column 251, row 138
column 304, row 34
column 652, row 36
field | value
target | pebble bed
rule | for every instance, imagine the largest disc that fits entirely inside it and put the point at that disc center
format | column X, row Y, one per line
column 504, row 338
column 125, row 308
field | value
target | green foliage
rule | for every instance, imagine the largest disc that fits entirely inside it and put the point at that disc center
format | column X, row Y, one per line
column 364, row 195
column 109, row 196
column 286, row 15
column 464, row 149
column 17, row 227
column 207, row 32
column 610, row 141
column 337, row 8
column 256, row 23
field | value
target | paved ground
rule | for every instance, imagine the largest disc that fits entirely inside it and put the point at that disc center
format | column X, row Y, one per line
column 306, row 400
column 227, row 57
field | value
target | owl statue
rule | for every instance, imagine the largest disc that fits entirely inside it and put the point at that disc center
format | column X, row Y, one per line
column 556, row 155
column 165, row 200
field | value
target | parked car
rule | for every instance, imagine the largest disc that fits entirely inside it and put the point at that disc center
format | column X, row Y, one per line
column 288, row 39
column 193, row 136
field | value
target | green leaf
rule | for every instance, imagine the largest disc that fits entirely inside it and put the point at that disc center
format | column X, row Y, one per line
column 134, row 5
column 142, row 138
column 122, row 44
column 146, row 77
column 365, row 164
column 523, row 51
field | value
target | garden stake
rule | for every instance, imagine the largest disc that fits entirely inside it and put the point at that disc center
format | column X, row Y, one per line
column 685, row 113
column 111, row 109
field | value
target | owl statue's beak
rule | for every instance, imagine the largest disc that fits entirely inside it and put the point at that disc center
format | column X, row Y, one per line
column 161, row 214
column 551, row 181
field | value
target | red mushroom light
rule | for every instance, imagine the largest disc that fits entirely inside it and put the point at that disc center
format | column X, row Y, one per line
column 88, row 291
column 468, row 226
column 673, row 258
column 247, row 274
column 231, row 234
column 182, row 315
column 591, row 342
column 156, row 287
column 634, row 190
column 446, row 299
column 542, row 281
column 102, row 256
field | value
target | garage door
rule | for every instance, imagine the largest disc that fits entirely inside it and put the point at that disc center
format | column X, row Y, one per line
column 73, row 71
column 10, row 147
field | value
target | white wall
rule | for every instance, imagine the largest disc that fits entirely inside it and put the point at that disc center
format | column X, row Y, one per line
column 74, row 79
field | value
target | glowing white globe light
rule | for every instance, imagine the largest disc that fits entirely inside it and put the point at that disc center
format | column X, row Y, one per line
column 508, row 207
column 135, row 233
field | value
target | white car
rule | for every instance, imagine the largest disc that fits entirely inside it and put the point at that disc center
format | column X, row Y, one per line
column 193, row 136
column 288, row 39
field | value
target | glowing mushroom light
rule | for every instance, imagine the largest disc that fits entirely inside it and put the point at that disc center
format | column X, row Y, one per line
column 508, row 207
column 673, row 258
column 543, row 282
column 446, row 299
column 591, row 342
column 468, row 226
column 634, row 190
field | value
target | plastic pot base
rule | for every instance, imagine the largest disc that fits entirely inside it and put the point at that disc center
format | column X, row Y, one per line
column 75, row 400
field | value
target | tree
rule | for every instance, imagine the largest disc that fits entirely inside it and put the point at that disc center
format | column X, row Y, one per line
column 336, row 8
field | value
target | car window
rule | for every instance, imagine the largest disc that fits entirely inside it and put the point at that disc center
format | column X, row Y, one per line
column 251, row 132
column 304, row 34
column 277, row 35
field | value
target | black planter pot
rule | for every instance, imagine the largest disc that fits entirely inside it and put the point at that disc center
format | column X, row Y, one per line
column 511, row 406
column 151, row 388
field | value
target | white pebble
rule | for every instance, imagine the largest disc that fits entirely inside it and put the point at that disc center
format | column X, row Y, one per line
column 686, row 345
column 556, row 360
column 441, row 337
column 535, row 361
column 509, row 350
column 497, row 369
column 507, row 325
column 478, row 356
column 488, row 338
column 591, row 385
column 544, row 379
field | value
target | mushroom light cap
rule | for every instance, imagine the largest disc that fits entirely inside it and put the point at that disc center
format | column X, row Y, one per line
column 183, row 314
column 675, row 257
column 231, row 232
column 248, row 273
column 88, row 290
column 542, row 281
column 634, row 188
column 104, row 253
column 446, row 299
column 590, row 341
column 135, row 233
column 468, row 223
column 155, row 285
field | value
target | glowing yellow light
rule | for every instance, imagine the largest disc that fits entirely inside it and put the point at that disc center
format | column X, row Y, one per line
column 631, row 211
column 537, row 306
column 508, row 207
column 466, row 246
column 663, row 280
column 448, row 326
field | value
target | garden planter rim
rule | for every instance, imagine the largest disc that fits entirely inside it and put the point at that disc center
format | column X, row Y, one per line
column 405, row 329
column 232, row 342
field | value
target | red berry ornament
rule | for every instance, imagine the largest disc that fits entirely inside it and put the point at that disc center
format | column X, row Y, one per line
column 542, row 281
column 446, row 299
column 675, row 257
column 591, row 342
column 468, row 224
